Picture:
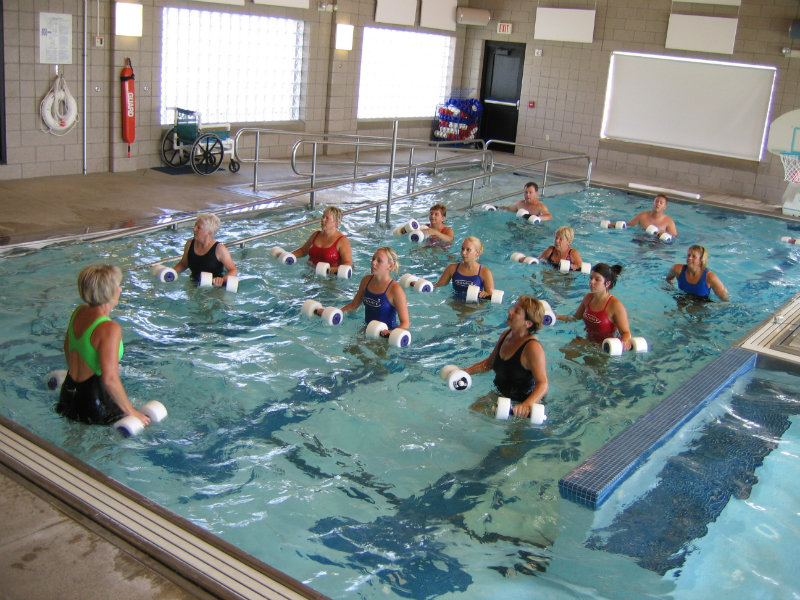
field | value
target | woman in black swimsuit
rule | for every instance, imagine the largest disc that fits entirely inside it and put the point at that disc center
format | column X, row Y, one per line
column 204, row 253
column 518, row 358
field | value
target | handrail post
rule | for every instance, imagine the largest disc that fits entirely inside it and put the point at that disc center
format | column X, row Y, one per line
column 355, row 160
column 408, row 175
column 472, row 193
column 313, row 174
column 255, row 164
column 395, row 127
column 544, row 177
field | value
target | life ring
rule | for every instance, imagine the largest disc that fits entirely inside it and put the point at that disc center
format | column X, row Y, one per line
column 50, row 109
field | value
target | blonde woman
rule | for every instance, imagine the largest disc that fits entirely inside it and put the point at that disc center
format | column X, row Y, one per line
column 328, row 244
column 92, row 391
column 562, row 250
column 695, row 278
column 468, row 272
column 383, row 298
column 204, row 253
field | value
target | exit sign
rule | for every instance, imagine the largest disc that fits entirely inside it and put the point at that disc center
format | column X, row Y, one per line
column 504, row 28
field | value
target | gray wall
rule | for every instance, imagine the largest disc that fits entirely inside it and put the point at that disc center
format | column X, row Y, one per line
column 567, row 83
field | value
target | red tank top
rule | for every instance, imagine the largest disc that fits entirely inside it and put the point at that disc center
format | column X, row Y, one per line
column 598, row 325
column 329, row 255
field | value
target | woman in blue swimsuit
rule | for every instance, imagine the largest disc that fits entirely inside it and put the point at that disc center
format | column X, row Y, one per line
column 518, row 360
column 468, row 272
column 695, row 278
column 383, row 298
column 92, row 391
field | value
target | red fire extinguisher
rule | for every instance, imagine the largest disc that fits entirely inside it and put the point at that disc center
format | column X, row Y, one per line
column 128, row 104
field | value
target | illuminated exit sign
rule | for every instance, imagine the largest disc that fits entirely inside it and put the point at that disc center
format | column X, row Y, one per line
column 504, row 28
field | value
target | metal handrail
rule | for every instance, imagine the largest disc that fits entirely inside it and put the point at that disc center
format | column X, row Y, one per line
column 570, row 156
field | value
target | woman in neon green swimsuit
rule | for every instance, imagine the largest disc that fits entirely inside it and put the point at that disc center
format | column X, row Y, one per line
column 92, row 391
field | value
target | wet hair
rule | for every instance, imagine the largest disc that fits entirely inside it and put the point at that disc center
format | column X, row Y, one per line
column 567, row 233
column 210, row 221
column 661, row 196
column 532, row 184
column 392, row 256
column 440, row 207
column 97, row 284
column 608, row 273
column 335, row 211
column 701, row 251
column 534, row 312
column 475, row 242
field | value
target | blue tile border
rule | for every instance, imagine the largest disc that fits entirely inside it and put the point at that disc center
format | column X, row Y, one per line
column 599, row 475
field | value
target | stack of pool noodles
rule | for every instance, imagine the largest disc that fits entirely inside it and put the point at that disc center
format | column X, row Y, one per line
column 412, row 281
column 284, row 257
column 457, row 379
column 399, row 338
column 330, row 315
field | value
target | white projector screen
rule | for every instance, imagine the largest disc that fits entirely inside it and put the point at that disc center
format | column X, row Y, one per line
column 690, row 104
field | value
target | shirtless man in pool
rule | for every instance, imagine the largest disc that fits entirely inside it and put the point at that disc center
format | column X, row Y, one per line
column 656, row 216
column 531, row 203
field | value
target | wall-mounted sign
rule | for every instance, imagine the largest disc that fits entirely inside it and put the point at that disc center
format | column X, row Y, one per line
column 55, row 38
column 504, row 28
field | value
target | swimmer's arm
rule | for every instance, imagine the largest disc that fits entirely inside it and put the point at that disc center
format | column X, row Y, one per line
column 578, row 313
column 184, row 262
column 108, row 336
column 356, row 301
column 303, row 250
column 445, row 234
column 488, row 283
column 673, row 273
column 345, row 253
column 513, row 208
column 719, row 288
column 545, row 214
column 634, row 221
column 224, row 256
column 533, row 359
column 671, row 229
column 576, row 261
column 486, row 363
column 446, row 276
column 548, row 251
column 619, row 316
column 397, row 297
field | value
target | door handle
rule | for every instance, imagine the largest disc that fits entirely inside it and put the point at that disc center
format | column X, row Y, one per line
column 502, row 103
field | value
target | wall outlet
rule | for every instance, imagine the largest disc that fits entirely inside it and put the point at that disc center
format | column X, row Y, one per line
column 99, row 41
column 537, row 52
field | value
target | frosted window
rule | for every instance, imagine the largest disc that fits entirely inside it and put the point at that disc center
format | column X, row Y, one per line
column 403, row 73
column 230, row 67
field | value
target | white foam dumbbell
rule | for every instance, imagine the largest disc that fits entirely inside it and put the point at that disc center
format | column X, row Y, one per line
column 565, row 265
column 54, row 379
column 586, row 268
column 416, row 236
column 538, row 416
column 605, row 223
column 322, row 269
column 131, row 426
column 407, row 279
column 406, row 227
column 620, row 225
column 503, row 409
column 330, row 315
column 457, row 379
column 473, row 293
column 517, row 257
column 206, row 279
column 533, row 219
column 522, row 213
column 665, row 237
column 639, row 344
column 613, row 346
column 489, row 207
column 497, row 296
column 164, row 273
column 232, row 283
column 344, row 272
column 549, row 314
column 421, row 285
column 374, row 329
column 400, row 338
column 530, row 260
column 283, row 257
column 652, row 229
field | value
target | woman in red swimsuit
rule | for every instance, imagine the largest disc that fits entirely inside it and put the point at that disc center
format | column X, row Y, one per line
column 603, row 314
column 328, row 244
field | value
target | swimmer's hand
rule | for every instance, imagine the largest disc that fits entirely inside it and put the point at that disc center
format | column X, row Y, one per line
column 142, row 417
column 386, row 333
column 218, row 282
column 523, row 409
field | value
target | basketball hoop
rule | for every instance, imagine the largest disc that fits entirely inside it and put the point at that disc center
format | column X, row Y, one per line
column 791, row 166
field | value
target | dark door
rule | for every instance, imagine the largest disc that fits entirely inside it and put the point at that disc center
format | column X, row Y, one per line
column 500, row 90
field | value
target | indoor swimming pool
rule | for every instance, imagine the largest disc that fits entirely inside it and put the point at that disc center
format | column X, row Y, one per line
column 350, row 466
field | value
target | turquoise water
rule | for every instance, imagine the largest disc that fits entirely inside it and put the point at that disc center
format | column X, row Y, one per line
column 346, row 463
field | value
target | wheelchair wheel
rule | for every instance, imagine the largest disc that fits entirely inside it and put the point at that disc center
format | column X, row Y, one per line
column 207, row 154
column 234, row 166
column 172, row 153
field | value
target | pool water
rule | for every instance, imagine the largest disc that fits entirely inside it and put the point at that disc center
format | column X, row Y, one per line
column 347, row 463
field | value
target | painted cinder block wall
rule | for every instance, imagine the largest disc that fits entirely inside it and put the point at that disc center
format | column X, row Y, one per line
column 567, row 83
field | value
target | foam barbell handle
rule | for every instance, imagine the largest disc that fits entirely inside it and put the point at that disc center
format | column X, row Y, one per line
column 497, row 296
column 522, row 213
column 287, row 258
column 407, row 280
column 530, row 260
column 400, row 338
column 665, row 237
column 652, row 229
column 232, row 283
column 605, row 223
column 322, row 269
column 276, row 251
column 129, row 426
column 586, row 268
column 344, row 272
column 489, row 207
column 613, row 346
column 164, row 273
column 206, row 279
column 517, row 257
column 54, row 379
column 639, row 344
column 564, row 265
column 620, row 225
column 473, row 292
column 416, row 236
column 309, row 306
column 374, row 328
column 155, row 410
column 332, row 315
column 422, row 285
column 503, row 408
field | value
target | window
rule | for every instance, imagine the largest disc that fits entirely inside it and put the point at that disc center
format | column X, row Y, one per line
column 403, row 73
column 230, row 67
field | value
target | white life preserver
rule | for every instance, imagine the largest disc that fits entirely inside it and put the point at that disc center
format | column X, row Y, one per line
column 59, row 123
